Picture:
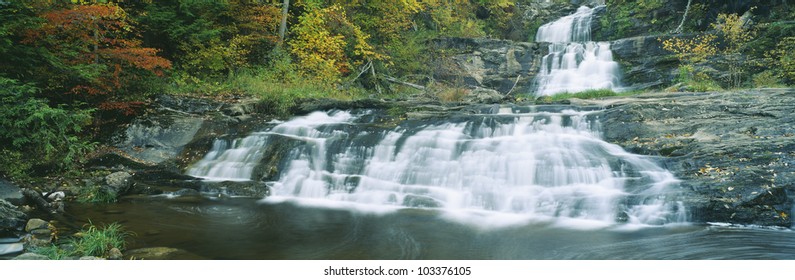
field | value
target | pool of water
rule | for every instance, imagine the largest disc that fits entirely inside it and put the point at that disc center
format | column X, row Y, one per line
column 237, row 228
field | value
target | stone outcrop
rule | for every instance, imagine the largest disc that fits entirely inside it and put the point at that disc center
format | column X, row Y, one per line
column 11, row 219
column 644, row 63
column 501, row 65
column 734, row 151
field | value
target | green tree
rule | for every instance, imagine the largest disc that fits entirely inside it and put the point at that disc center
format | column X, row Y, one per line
column 782, row 59
column 37, row 134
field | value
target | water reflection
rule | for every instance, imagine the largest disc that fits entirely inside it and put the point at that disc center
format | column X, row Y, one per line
column 246, row 229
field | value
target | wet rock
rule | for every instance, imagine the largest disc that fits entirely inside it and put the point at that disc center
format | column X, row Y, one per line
column 483, row 95
column 154, row 139
column 420, row 201
column 39, row 233
column 187, row 192
column 733, row 151
column 115, row 254
column 11, row 248
column 90, row 258
column 119, row 182
column 162, row 253
column 42, row 233
column 644, row 63
column 323, row 104
column 230, row 188
column 11, row 219
column 34, row 224
column 622, row 217
column 32, row 257
column 10, row 192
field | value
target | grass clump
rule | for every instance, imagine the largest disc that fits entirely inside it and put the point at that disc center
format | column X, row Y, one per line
column 587, row 94
column 91, row 241
column 96, row 194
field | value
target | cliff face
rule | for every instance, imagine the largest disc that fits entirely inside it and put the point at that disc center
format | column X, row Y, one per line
column 502, row 65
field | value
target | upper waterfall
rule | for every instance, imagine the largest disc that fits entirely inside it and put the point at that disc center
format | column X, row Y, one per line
column 575, row 63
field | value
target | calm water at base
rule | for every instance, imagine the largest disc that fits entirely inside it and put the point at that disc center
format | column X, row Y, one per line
column 248, row 229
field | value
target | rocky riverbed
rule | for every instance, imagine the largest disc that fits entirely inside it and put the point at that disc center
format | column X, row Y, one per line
column 733, row 151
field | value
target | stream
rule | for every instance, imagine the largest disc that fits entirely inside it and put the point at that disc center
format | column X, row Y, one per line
column 249, row 229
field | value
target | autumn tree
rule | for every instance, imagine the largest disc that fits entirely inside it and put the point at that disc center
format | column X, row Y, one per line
column 328, row 46
column 95, row 54
column 736, row 31
column 212, row 39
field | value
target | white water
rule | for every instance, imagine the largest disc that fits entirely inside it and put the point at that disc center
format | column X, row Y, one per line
column 546, row 166
column 575, row 63
column 236, row 161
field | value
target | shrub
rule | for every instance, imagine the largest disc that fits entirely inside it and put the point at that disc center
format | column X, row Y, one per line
column 767, row 79
column 37, row 134
column 783, row 59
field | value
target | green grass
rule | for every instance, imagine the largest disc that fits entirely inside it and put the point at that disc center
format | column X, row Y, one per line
column 95, row 194
column 94, row 241
column 283, row 93
column 588, row 94
column 91, row 241
column 52, row 252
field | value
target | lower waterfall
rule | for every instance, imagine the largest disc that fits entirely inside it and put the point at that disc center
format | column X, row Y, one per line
column 524, row 163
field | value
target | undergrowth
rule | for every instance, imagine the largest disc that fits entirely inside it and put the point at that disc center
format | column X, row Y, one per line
column 91, row 241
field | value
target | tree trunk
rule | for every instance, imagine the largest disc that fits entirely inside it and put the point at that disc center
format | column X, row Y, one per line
column 283, row 27
column 684, row 17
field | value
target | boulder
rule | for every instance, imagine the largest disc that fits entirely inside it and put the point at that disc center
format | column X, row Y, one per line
column 154, row 139
column 34, row 224
column 115, row 254
column 483, row 95
column 11, row 193
column 119, row 182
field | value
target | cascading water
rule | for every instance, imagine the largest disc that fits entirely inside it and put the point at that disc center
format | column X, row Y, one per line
column 574, row 62
column 544, row 166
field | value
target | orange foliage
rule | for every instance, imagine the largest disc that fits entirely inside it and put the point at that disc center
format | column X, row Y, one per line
column 99, row 35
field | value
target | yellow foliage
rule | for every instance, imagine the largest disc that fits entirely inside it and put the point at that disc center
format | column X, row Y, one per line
column 327, row 44
column 782, row 59
column 692, row 50
column 734, row 30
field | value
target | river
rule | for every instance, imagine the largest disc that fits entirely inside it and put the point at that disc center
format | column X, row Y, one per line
column 238, row 228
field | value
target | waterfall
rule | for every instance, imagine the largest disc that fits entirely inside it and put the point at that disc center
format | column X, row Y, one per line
column 575, row 63
column 523, row 162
